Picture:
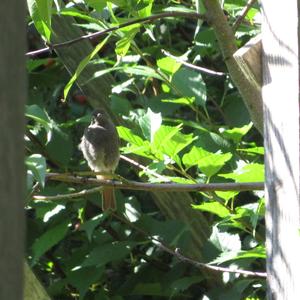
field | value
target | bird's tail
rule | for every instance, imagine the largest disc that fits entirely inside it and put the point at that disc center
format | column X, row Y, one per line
column 108, row 196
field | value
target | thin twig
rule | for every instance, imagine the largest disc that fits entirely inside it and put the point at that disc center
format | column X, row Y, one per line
column 166, row 187
column 176, row 253
column 97, row 34
column 189, row 65
column 67, row 196
column 145, row 169
column 244, row 12
column 200, row 265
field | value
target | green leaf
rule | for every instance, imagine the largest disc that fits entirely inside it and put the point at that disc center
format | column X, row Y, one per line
column 61, row 140
column 50, row 238
column 169, row 141
column 90, row 225
column 142, row 71
column 122, row 45
column 249, row 173
column 40, row 12
column 214, row 208
column 184, row 283
column 96, row 4
column 184, row 101
column 168, row 65
column 104, row 254
column 258, row 252
column 236, row 134
column 209, row 163
column 225, row 241
column 127, row 135
column 83, row 278
column 254, row 150
column 189, row 84
column 82, row 66
column 150, row 123
column 36, row 163
column 38, row 114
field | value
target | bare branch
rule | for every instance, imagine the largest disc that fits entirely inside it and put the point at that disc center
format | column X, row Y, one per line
column 244, row 12
column 200, row 265
column 176, row 253
column 171, row 187
column 97, row 34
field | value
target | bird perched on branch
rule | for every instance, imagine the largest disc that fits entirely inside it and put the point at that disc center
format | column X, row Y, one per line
column 100, row 148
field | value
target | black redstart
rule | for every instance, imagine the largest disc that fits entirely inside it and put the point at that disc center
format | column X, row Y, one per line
column 100, row 148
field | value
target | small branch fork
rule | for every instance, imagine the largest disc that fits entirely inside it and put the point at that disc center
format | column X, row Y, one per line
column 134, row 185
column 176, row 253
column 114, row 28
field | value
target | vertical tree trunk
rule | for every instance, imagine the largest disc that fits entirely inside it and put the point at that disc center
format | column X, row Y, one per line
column 281, row 111
column 12, row 97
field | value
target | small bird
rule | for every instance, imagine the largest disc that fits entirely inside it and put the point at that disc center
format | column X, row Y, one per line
column 100, row 148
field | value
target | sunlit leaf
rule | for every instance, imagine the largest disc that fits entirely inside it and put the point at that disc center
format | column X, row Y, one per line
column 214, row 208
column 209, row 163
column 82, row 66
column 150, row 123
column 36, row 163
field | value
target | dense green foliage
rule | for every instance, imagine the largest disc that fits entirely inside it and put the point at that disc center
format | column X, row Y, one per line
column 183, row 125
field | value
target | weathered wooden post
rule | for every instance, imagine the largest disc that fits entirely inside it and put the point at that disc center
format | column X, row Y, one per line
column 12, row 99
column 280, row 40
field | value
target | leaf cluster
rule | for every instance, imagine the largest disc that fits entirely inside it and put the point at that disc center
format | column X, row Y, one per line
column 181, row 125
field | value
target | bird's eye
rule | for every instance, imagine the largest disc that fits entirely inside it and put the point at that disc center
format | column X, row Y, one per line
column 99, row 115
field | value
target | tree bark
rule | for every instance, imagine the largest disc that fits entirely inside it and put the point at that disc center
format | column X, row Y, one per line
column 12, row 98
column 227, row 43
column 281, row 110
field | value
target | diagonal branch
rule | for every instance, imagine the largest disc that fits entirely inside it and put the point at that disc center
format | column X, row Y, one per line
column 176, row 253
column 97, row 34
column 240, row 19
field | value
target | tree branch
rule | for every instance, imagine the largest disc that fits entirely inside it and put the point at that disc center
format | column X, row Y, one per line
column 197, row 68
column 97, row 34
column 176, row 253
column 240, row 19
column 250, row 93
column 154, row 187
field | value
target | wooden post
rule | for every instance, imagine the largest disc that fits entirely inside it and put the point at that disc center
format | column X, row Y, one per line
column 13, row 93
column 280, row 40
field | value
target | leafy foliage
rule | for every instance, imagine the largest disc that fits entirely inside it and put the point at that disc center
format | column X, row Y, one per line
column 183, row 125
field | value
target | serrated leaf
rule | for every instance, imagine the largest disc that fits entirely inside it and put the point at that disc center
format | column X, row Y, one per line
column 36, row 163
column 47, row 240
column 249, row 173
column 189, row 83
column 169, row 141
column 150, row 123
column 127, row 135
column 209, row 163
column 237, row 133
column 82, row 66
column 214, row 208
